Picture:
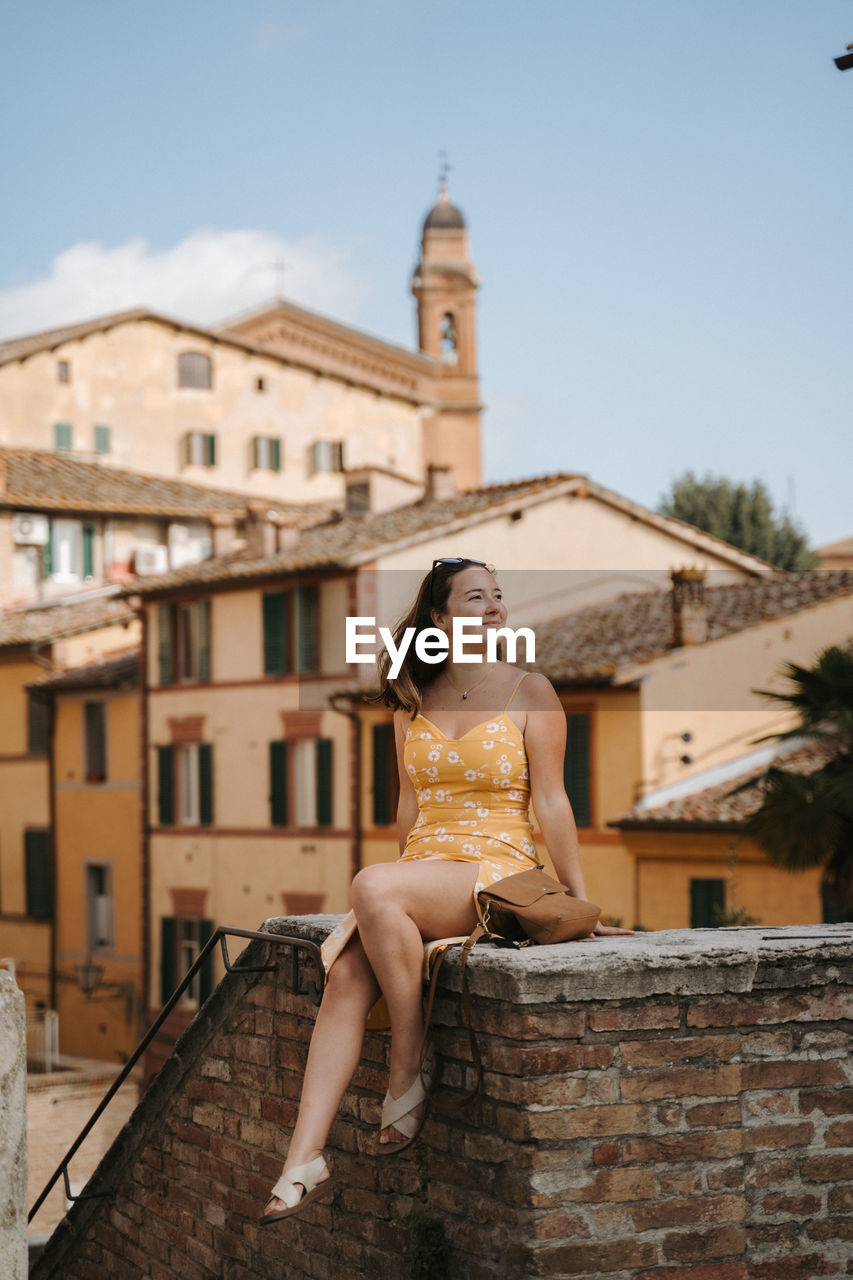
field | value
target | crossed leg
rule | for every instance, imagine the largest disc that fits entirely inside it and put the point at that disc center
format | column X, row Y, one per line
column 398, row 905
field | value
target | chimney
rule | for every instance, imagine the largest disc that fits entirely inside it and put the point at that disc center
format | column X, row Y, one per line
column 689, row 611
column 222, row 533
column 261, row 532
column 439, row 482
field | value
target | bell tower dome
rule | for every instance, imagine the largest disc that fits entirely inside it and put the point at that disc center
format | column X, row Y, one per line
column 444, row 285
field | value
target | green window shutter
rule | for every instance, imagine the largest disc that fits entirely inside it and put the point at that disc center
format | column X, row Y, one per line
column 168, row 957
column 165, row 786
column 205, row 985
column 62, row 436
column 275, row 454
column 203, row 634
column 324, row 782
column 307, row 641
column 37, row 868
column 205, row 783
column 382, row 743
column 47, row 555
column 278, row 784
column 274, row 637
column 166, row 647
column 576, row 767
column 210, row 450
column 88, row 550
column 38, row 722
column 706, row 897
column 102, row 439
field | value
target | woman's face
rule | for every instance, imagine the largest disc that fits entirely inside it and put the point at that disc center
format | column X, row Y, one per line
column 474, row 593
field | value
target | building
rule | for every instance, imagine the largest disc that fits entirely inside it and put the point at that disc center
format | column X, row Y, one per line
column 279, row 404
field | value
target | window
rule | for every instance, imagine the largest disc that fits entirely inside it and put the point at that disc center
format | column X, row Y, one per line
column 266, row 453
column 62, row 437
column 184, row 635
column 38, row 875
column 291, row 630
column 63, row 370
column 260, row 384
column 185, row 785
column 99, row 906
column 102, row 439
column 195, row 370
column 448, row 338
column 325, row 455
column 358, row 498
column 301, row 783
column 181, row 943
column 38, row 722
column 576, row 767
column 386, row 783
column 707, row 898
column 95, row 736
column 200, row 449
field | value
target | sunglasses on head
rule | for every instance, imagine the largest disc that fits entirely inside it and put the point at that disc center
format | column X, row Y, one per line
column 480, row 564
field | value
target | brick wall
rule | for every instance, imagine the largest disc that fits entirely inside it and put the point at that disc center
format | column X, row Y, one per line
column 675, row 1105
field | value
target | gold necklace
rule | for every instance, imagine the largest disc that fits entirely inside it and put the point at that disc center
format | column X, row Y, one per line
column 463, row 693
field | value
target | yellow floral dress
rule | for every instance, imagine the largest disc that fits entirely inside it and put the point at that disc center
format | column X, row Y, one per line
column 473, row 798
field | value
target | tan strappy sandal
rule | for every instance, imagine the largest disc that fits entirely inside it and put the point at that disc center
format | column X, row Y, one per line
column 298, row 1188
column 397, row 1112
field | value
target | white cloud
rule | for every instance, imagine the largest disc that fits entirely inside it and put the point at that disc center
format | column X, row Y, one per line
column 207, row 277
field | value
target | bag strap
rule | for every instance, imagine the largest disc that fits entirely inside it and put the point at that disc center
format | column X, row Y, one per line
column 467, row 946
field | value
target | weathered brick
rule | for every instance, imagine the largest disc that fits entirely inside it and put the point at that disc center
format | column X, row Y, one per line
column 557, row 1224
column 695, row 1246
column 839, row 1134
column 801, row 1206
column 675, row 1049
column 646, row 1017
column 827, row 1169
column 607, row 1153
column 789, row 1075
column 769, row 1104
column 543, row 1060
column 804, row 1267
column 688, row 1146
column 693, row 1212
column 589, row 1121
column 714, row 1115
column 722, row 1179
column 831, row 1229
column 593, row 1259
column 840, row 1200
column 778, row 1137
column 543, row 1024
column 615, row 1186
column 714, row 1271
column 761, row 1010
column 681, row 1083
column 769, row 1172
column 832, row 1102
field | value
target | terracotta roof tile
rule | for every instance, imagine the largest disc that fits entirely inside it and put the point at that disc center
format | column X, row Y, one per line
column 716, row 807
column 42, row 481
column 45, row 623
column 592, row 645
column 110, row 672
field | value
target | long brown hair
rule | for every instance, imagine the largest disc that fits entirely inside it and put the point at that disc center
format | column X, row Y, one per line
column 406, row 691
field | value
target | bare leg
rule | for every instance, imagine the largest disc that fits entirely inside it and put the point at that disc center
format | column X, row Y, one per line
column 332, row 1055
column 398, row 905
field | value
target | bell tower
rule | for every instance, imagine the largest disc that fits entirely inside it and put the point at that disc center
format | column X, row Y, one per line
column 444, row 285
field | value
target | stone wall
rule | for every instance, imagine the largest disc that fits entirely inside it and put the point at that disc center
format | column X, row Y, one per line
column 676, row 1106
column 13, row 1131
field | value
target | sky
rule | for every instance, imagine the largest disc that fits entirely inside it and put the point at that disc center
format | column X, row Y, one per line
column 659, row 197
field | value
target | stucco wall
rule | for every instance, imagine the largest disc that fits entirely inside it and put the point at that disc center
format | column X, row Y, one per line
column 13, row 1131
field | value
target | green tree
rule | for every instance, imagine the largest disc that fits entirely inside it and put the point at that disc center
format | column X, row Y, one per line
column 806, row 820
column 740, row 514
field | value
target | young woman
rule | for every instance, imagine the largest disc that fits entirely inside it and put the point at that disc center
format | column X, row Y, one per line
column 475, row 744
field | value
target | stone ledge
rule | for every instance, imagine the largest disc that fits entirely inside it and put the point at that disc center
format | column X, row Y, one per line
column 669, row 962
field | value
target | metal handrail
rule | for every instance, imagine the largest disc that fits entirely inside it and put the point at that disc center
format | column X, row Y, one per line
column 311, row 988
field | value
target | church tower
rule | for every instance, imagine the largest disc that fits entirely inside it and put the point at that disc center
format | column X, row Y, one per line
column 445, row 285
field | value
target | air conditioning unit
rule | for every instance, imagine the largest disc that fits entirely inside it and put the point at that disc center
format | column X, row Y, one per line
column 32, row 530
column 149, row 558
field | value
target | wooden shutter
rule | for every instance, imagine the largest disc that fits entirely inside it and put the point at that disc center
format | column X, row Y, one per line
column 576, row 767
column 275, row 454
column 165, row 786
column 202, row 608
column 88, row 550
column 382, row 747
column 278, row 784
column 324, row 782
column 210, row 450
column 306, row 628
column 47, row 555
column 166, row 643
column 102, row 439
column 337, row 455
column 95, row 720
column 274, row 633
column 37, row 869
column 168, row 957
column 706, row 896
column 205, row 984
column 205, row 783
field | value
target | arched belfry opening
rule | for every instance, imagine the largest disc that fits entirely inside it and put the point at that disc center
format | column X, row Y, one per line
column 444, row 285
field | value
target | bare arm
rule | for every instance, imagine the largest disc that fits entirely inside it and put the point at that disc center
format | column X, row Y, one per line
column 407, row 805
column 545, row 740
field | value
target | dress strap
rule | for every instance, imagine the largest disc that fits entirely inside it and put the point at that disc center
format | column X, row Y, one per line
column 523, row 676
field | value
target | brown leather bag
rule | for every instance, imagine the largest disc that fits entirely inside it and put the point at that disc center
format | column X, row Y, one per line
column 517, row 911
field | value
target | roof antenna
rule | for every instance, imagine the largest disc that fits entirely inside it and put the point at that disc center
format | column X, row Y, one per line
column 443, row 171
